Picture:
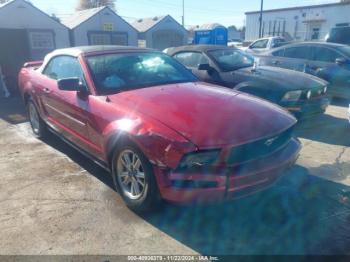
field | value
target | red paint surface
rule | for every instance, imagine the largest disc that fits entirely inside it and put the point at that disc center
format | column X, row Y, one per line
column 167, row 122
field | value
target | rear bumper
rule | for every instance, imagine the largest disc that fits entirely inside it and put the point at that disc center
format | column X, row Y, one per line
column 232, row 182
column 309, row 107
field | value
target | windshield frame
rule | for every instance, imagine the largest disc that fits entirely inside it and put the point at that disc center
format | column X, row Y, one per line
column 101, row 92
column 223, row 69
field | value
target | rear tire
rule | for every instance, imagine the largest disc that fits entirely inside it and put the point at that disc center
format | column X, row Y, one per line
column 38, row 126
column 134, row 178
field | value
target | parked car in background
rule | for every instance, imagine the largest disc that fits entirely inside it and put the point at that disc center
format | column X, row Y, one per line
column 328, row 61
column 235, row 43
column 300, row 93
column 162, row 133
column 339, row 35
column 265, row 44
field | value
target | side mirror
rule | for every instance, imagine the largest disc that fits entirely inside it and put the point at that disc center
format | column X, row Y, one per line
column 342, row 61
column 71, row 84
column 204, row 67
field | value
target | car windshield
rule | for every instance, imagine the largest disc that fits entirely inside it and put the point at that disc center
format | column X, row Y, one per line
column 113, row 73
column 231, row 59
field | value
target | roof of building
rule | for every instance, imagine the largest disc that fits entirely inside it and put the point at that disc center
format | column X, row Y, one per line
column 34, row 7
column 6, row 3
column 80, row 17
column 298, row 8
column 144, row 24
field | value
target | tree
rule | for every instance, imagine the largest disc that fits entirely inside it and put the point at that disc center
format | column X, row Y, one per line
column 232, row 27
column 88, row 4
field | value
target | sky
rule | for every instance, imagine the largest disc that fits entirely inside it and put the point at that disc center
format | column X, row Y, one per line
column 197, row 12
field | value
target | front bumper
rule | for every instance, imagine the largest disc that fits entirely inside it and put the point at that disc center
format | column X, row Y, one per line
column 230, row 182
column 308, row 107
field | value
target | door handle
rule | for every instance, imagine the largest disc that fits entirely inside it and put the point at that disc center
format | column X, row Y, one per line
column 276, row 62
column 46, row 90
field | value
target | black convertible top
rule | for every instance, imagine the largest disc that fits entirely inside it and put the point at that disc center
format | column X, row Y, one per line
column 198, row 48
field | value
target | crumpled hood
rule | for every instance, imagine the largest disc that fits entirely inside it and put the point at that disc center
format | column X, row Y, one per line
column 284, row 78
column 207, row 115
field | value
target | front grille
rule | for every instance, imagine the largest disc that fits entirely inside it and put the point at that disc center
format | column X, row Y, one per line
column 258, row 149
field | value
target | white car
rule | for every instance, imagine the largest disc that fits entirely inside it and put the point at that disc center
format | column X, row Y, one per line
column 265, row 44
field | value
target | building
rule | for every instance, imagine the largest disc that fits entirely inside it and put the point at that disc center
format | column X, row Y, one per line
column 160, row 32
column 299, row 23
column 234, row 34
column 100, row 26
column 27, row 33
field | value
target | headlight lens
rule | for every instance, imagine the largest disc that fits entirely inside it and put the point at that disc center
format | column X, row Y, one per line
column 199, row 159
column 292, row 96
column 325, row 89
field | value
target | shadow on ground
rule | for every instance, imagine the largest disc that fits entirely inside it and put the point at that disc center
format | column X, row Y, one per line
column 101, row 174
column 302, row 214
column 12, row 110
column 340, row 102
column 326, row 129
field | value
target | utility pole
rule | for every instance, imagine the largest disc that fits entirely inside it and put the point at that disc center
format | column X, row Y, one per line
column 261, row 18
column 183, row 13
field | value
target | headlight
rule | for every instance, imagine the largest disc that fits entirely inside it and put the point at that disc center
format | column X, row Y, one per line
column 199, row 159
column 325, row 89
column 308, row 94
column 292, row 96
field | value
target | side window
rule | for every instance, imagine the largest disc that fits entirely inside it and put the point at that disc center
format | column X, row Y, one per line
column 259, row 44
column 322, row 54
column 279, row 53
column 62, row 67
column 301, row 52
column 191, row 59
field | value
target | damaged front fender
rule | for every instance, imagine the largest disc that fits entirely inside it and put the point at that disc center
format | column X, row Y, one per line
column 163, row 146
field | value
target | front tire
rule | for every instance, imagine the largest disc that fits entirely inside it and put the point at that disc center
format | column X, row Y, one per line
column 134, row 178
column 38, row 126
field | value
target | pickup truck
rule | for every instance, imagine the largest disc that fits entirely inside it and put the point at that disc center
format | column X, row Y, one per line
column 265, row 44
column 148, row 120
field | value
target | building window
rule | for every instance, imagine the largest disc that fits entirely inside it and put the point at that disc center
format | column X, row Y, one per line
column 108, row 38
column 315, row 34
column 41, row 40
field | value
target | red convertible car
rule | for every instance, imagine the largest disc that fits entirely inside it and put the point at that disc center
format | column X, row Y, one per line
column 160, row 132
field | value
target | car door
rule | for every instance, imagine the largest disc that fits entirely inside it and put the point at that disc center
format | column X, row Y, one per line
column 324, row 64
column 66, row 110
column 192, row 60
column 295, row 58
column 274, row 58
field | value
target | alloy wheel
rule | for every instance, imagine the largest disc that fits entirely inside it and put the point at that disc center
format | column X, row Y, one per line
column 131, row 175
